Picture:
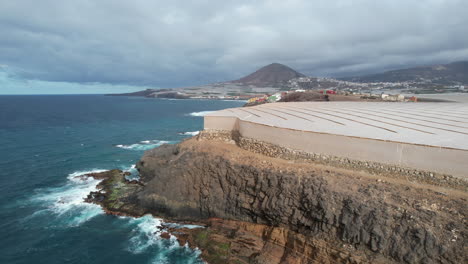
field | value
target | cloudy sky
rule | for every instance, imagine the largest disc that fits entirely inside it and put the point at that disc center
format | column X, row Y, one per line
column 156, row 43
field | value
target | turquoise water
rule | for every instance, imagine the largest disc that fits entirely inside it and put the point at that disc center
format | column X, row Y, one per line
column 45, row 141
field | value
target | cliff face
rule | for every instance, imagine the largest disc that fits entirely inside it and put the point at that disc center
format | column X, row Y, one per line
column 368, row 218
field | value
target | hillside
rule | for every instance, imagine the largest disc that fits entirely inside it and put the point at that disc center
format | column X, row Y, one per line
column 452, row 73
column 270, row 75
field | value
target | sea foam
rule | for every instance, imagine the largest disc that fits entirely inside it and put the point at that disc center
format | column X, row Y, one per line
column 134, row 174
column 146, row 236
column 67, row 202
column 144, row 145
column 66, row 205
column 202, row 113
column 193, row 133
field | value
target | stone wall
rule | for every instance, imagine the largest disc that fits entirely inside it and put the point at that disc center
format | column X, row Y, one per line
column 443, row 160
column 276, row 151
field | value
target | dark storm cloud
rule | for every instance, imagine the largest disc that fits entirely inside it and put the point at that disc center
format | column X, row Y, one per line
column 170, row 43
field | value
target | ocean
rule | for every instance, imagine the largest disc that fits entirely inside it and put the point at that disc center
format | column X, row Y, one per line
column 46, row 141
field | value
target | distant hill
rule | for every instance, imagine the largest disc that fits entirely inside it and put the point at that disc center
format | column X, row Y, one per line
column 139, row 93
column 144, row 93
column 452, row 73
column 270, row 75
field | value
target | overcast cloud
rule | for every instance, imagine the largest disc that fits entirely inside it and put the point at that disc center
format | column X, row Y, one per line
column 176, row 43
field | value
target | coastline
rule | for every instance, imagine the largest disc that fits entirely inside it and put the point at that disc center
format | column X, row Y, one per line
column 189, row 165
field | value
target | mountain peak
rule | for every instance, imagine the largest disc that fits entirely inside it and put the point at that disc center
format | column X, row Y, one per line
column 271, row 74
column 276, row 64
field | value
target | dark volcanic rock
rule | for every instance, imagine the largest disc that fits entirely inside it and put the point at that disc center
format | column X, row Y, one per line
column 165, row 235
column 382, row 220
column 116, row 194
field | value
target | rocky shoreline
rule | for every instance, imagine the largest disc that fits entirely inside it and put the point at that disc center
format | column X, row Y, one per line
column 258, row 208
column 222, row 240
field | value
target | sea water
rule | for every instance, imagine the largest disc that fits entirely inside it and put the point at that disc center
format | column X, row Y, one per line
column 47, row 141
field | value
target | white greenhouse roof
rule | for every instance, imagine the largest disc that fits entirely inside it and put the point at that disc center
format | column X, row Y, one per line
column 433, row 124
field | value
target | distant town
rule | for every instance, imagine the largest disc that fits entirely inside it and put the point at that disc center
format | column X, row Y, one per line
column 277, row 82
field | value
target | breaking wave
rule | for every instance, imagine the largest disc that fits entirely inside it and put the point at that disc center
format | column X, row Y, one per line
column 194, row 133
column 134, row 174
column 144, row 145
column 202, row 113
column 67, row 202
column 146, row 235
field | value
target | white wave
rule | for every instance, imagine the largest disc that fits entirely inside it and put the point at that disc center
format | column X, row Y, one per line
column 193, row 133
column 66, row 205
column 147, row 232
column 202, row 113
column 144, row 145
column 176, row 225
column 75, row 176
column 192, row 256
column 146, row 235
column 134, row 174
column 67, row 202
column 233, row 100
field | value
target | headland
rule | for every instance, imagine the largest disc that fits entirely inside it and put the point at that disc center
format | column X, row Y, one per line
column 273, row 186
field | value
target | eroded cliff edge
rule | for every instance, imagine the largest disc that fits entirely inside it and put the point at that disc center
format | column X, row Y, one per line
column 296, row 211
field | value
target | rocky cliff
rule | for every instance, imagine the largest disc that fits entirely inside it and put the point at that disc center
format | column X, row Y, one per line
column 271, row 210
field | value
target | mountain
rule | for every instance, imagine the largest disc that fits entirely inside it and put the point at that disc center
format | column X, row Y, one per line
column 452, row 73
column 270, row 75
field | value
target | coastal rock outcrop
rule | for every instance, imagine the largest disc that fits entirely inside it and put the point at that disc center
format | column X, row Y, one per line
column 380, row 220
column 116, row 194
column 260, row 209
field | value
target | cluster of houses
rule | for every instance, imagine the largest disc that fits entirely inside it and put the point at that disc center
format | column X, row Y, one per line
column 277, row 96
column 390, row 97
column 267, row 99
column 383, row 96
column 393, row 97
column 421, row 85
